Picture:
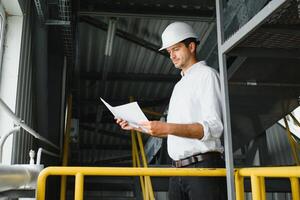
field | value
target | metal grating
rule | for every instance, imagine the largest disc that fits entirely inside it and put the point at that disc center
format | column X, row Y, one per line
column 288, row 14
column 264, row 38
column 280, row 31
column 65, row 14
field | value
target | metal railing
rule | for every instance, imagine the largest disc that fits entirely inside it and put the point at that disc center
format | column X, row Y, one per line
column 145, row 181
column 21, row 123
column 257, row 176
column 80, row 172
column 39, row 155
column 4, row 138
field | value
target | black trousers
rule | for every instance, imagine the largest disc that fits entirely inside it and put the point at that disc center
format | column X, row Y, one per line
column 199, row 188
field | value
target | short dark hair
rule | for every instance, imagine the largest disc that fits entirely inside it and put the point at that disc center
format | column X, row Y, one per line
column 187, row 41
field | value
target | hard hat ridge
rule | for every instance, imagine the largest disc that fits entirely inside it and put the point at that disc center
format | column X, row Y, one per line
column 176, row 32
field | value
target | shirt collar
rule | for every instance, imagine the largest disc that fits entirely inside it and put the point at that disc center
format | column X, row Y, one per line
column 190, row 69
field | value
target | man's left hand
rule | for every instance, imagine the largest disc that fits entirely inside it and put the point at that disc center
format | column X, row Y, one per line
column 156, row 128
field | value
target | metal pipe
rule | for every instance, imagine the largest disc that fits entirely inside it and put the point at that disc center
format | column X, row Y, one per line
column 4, row 137
column 279, row 172
column 39, row 155
column 148, row 183
column 63, row 182
column 19, row 122
column 239, row 186
column 254, row 83
column 15, row 176
column 295, row 188
column 263, row 188
column 137, row 162
column 255, row 183
column 79, row 182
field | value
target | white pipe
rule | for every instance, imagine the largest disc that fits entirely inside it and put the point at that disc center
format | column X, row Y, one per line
column 19, row 122
column 4, row 137
column 16, row 176
column 39, row 155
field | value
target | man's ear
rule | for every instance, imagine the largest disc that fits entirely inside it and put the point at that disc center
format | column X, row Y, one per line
column 192, row 47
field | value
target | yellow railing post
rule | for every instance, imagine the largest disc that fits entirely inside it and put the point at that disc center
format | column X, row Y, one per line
column 79, row 182
column 147, row 178
column 295, row 188
column 255, row 186
column 137, row 161
column 262, row 188
column 63, row 183
column 239, row 186
column 292, row 143
column 41, row 185
column 146, row 181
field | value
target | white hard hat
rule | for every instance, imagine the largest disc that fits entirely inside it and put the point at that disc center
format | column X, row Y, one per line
column 176, row 32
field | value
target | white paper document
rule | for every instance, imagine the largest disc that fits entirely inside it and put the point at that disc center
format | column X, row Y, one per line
column 130, row 112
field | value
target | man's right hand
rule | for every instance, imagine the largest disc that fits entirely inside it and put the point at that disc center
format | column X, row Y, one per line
column 124, row 124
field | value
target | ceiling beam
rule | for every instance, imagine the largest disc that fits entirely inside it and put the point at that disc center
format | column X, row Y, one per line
column 124, row 35
column 280, row 29
column 97, row 76
column 265, row 52
column 203, row 11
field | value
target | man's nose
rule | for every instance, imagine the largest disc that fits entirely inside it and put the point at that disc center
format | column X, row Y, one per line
column 172, row 55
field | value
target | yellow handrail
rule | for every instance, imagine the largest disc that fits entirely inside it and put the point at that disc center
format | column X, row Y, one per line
column 116, row 171
column 275, row 172
column 257, row 177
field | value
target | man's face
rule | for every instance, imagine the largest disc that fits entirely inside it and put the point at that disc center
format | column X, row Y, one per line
column 180, row 55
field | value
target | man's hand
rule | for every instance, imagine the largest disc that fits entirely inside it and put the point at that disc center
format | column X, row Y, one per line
column 156, row 128
column 124, row 124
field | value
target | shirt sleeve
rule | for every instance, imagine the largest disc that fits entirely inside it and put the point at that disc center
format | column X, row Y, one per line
column 209, row 95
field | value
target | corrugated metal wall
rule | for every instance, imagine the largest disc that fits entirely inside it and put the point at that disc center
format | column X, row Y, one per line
column 23, row 142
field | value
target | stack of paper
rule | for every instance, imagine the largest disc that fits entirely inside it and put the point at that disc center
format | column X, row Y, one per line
column 130, row 112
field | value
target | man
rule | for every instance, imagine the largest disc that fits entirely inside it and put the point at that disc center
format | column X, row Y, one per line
column 194, row 125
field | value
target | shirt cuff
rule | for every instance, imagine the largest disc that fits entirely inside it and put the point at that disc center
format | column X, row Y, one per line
column 205, row 130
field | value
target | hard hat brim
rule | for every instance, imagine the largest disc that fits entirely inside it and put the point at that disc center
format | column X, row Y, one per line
column 168, row 45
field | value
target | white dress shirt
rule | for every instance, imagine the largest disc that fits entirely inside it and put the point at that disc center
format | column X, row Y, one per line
column 196, row 99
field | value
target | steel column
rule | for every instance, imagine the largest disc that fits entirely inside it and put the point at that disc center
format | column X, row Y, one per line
column 225, row 103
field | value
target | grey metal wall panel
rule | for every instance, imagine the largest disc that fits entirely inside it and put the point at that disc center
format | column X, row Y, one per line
column 278, row 146
column 22, row 142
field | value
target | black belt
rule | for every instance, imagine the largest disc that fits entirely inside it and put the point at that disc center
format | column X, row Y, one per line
column 195, row 158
